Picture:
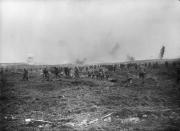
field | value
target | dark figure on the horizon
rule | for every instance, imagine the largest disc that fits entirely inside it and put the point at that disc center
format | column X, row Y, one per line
column 25, row 75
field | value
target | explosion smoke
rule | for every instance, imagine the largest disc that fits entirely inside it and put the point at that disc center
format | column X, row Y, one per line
column 80, row 62
column 130, row 58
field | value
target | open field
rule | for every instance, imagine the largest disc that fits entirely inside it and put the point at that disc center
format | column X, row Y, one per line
column 68, row 104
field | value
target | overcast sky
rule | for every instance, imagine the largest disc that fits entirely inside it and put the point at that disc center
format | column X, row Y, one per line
column 56, row 32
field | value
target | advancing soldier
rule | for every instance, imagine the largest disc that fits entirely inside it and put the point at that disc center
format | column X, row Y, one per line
column 93, row 74
column 129, row 79
column 76, row 72
column 25, row 75
column 114, row 68
column 67, row 71
column 178, row 75
column 46, row 74
column 3, row 79
column 142, row 75
column 89, row 74
column 107, row 75
column 56, row 72
column 101, row 74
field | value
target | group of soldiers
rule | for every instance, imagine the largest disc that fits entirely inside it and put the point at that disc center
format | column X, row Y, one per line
column 99, row 72
column 61, row 72
column 46, row 73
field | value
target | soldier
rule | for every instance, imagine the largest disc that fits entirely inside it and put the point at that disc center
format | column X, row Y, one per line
column 149, row 65
column 3, row 79
column 56, row 72
column 178, row 75
column 66, row 71
column 93, row 74
column 122, row 66
column 76, row 72
column 128, row 80
column 142, row 74
column 114, row 68
column 106, row 75
column 101, row 74
column 96, row 74
column 25, row 75
column 166, row 64
column 46, row 74
column 89, row 74
column 135, row 66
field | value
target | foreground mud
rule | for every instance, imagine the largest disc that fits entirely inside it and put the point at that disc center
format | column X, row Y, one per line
column 68, row 104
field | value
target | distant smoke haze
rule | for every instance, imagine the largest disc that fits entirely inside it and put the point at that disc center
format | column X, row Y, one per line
column 67, row 31
column 130, row 58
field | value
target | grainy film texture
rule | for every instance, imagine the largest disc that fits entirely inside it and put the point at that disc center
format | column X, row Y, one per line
column 90, row 65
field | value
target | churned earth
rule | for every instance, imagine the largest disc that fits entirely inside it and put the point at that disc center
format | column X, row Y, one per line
column 84, row 104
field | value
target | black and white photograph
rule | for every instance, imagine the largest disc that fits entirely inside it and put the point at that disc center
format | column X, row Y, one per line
column 89, row 65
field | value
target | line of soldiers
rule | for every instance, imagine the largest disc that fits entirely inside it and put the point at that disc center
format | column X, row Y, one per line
column 99, row 72
column 60, row 72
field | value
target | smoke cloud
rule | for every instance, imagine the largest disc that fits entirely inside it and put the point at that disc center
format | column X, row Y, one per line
column 130, row 58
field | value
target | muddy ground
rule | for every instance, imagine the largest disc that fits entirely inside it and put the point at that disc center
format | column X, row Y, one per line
column 67, row 104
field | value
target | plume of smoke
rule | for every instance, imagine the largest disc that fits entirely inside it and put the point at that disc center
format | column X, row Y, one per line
column 114, row 49
column 130, row 58
column 80, row 62
column 162, row 51
column 30, row 59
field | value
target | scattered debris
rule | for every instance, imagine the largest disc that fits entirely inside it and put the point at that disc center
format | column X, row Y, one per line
column 106, row 115
column 83, row 122
column 37, row 123
column 27, row 121
column 130, row 120
column 70, row 123
column 108, row 119
column 93, row 121
column 145, row 116
column 10, row 118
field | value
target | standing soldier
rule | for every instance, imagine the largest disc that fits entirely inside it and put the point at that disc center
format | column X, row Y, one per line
column 129, row 79
column 3, row 80
column 142, row 74
column 66, row 71
column 56, row 72
column 178, row 75
column 76, row 72
column 89, row 74
column 25, row 75
column 106, row 75
column 101, row 74
column 46, row 74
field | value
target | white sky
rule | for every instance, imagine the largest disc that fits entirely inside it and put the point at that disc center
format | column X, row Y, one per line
column 55, row 32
